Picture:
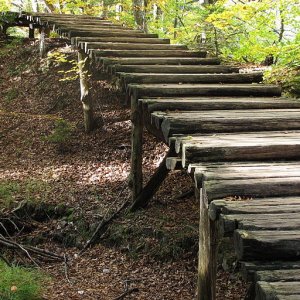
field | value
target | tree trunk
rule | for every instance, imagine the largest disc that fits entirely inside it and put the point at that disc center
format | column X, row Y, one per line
column 138, row 12
column 42, row 43
column 83, row 63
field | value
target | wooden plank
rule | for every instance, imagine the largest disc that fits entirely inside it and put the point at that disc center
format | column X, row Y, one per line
column 109, row 39
column 161, row 90
column 248, row 269
column 191, row 67
column 96, row 29
column 227, row 121
column 146, row 53
column 258, row 187
column 217, row 103
column 128, row 78
column 238, row 147
column 267, row 245
column 277, row 290
column 229, row 223
column 132, row 46
column 140, row 61
column 278, row 275
column 77, row 33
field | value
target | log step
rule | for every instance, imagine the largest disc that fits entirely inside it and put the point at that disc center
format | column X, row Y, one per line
column 130, row 46
column 237, row 147
column 140, row 61
column 277, row 290
column 161, row 90
column 205, row 103
column 108, row 39
column 78, row 33
column 190, row 122
column 128, row 78
column 262, row 245
column 146, row 53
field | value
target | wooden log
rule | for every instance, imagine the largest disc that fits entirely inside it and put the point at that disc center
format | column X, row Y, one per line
column 97, row 29
column 136, row 173
column 277, row 290
column 154, row 90
column 87, row 104
column 31, row 31
column 146, row 53
column 119, row 40
column 128, row 78
column 156, row 180
column 248, row 269
column 238, row 147
column 204, row 284
column 278, row 275
column 42, row 45
column 266, row 245
column 173, row 163
column 132, row 46
column 258, row 187
column 218, row 103
column 196, row 68
column 77, row 33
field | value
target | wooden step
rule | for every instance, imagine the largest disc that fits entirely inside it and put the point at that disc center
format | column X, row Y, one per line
column 78, row 33
column 205, row 103
column 173, row 69
column 277, row 290
column 161, row 90
column 128, row 78
column 278, row 275
column 108, row 39
column 237, row 147
column 131, row 46
column 146, row 53
column 144, row 62
column 271, row 245
column 190, row 122
column 104, row 30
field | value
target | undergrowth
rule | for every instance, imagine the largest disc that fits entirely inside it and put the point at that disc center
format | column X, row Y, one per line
column 18, row 283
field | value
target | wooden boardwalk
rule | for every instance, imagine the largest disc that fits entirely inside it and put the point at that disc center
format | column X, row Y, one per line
column 238, row 138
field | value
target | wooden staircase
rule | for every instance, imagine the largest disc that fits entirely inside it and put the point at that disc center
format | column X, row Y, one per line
column 237, row 137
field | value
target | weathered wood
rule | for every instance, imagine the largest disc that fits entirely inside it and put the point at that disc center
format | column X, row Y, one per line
column 227, row 121
column 31, row 31
column 255, row 90
column 218, row 103
column 136, row 175
column 131, row 62
column 109, row 39
column 248, row 269
column 87, row 104
column 152, row 186
column 146, row 53
column 204, row 285
column 258, row 187
column 260, row 245
column 42, row 45
column 278, row 275
column 197, row 67
column 131, row 46
column 277, row 290
column 173, row 163
column 238, row 147
column 78, row 33
column 96, row 29
column 128, row 78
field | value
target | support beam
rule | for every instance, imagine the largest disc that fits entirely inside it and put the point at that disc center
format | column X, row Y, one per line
column 152, row 186
column 87, row 104
column 136, row 176
column 42, row 43
column 206, row 286
column 31, row 31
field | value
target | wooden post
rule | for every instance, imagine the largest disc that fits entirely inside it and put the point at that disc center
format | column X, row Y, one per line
column 204, row 285
column 83, row 64
column 42, row 43
column 136, row 176
column 31, row 31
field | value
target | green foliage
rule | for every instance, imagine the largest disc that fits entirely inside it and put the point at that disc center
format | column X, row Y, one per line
column 61, row 135
column 30, row 190
column 17, row 283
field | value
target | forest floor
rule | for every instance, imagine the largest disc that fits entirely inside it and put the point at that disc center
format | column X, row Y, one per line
column 62, row 190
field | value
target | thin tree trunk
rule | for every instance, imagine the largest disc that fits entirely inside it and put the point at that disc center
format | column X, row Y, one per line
column 87, row 105
column 138, row 12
